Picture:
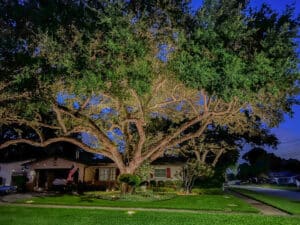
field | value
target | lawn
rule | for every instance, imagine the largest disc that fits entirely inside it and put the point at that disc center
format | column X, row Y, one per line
column 41, row 216
column 195, row 202
column 287, row 205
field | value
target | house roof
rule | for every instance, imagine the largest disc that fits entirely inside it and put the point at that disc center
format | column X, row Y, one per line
column 105, row 161
column 21, row 162
column 51, row 157
column 283, row 174
column 169, row 160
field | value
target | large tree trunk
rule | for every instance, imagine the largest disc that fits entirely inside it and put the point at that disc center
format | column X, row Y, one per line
column 126, row 188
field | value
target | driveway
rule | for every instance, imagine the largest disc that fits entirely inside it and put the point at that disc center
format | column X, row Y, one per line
column 292, row 195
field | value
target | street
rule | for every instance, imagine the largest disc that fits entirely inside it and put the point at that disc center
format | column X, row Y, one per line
column 292, row 195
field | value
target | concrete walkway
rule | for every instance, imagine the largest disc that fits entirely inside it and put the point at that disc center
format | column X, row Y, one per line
column 291, row 195
column 262, row 207
column 11, row 198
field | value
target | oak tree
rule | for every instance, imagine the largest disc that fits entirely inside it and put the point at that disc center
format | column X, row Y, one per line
column 109, row 78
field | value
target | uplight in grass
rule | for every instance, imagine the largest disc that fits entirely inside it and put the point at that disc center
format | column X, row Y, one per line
column 130, row 212
column 226, row 196
column 232, row 205
column 29, row 201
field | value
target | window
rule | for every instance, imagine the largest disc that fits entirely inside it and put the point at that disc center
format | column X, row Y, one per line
column 160, row 173
column 107, row 174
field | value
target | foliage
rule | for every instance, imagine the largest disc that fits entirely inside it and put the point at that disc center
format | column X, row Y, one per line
column 228, row 159
column 133, row 79
column 234, row 52
column 147, row 196
column 19, row 180
column 192, row 170
column 260, row 162
column 164, row 189
column 175, row 184
column 144, row 171
column 245, row 171
column 130, row 179
column 219, row 148
column 207, row 191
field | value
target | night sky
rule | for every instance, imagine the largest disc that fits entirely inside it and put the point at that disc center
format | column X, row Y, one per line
column 288, row 132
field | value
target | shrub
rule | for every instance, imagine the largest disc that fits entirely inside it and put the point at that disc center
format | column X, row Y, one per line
column 144, row 171
column 178, row 184
column 144, row 183
column 169, row 183
column 163, row 189
column 130, row 179
column 160, row 183
column 198, row 191
column 153, row 183
column 208, row 191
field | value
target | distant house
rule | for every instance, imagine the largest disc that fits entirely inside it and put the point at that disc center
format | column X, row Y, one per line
column 48, row 173
column 284, row 178
column 297, row 181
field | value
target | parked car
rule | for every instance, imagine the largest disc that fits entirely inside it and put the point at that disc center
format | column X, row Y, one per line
column 297, row 179
column 7, row 189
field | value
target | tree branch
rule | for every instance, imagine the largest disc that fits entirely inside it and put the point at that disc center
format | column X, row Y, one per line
column 162, row 144
column 54, row 140
column 218, row 157
column 8, row 120
column 59, row 119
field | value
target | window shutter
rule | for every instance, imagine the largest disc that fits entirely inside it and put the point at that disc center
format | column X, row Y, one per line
column 168, row 172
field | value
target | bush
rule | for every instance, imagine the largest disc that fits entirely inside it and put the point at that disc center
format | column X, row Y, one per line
column 163, row 189
column 130, row 179
column 153, row 183
column 169, row 183
column 208, row 191
column 160, row 183
column 178, row 184
column 144, row 183
column 19, row 181
column 149, row 196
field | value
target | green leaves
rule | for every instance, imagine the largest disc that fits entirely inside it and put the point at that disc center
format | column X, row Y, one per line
column 233, row 53
column 232, row 58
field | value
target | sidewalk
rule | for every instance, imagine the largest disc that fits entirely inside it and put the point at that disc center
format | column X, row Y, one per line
column 262, row 207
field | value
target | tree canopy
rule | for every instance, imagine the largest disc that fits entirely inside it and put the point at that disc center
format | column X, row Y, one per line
column 259, row 162
column 129, row 79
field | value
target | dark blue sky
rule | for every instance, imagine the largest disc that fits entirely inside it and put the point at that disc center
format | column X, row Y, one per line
column 288, row 132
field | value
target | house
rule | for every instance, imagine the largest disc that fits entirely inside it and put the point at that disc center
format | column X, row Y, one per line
column 9, row 170
column 284, row 178
column 167, row 169
column 46, row 174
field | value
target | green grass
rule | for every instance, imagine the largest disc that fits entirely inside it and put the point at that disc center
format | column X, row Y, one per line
column 141, row 196
column 287, row 205
column 195, row 202
column 42, row 216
